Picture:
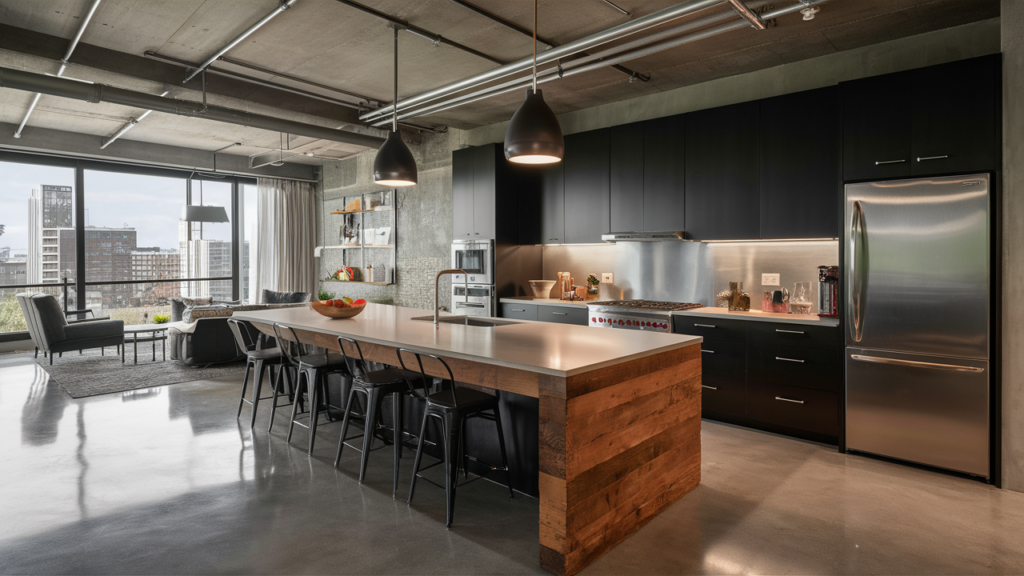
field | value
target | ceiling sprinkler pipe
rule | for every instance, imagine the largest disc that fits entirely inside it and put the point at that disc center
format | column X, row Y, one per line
column 598, row 56
column 63, row 62
column 603, row 37
column 551, row 73
column 286, row 4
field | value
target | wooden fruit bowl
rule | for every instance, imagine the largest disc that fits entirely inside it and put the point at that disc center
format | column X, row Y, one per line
column 332, row 312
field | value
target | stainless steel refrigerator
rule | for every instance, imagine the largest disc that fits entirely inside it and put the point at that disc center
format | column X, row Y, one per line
column 917, row 320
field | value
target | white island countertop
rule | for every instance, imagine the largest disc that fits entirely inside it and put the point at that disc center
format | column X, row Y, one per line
column 556, row 349
column 757, row 315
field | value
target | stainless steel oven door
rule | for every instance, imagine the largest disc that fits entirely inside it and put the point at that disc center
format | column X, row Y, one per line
column 476, row 257
column 480, row 301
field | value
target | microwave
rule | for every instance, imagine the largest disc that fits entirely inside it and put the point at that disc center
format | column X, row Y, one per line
column 476, row 257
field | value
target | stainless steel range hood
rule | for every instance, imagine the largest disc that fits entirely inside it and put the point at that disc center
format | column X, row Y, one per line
column 644, row 237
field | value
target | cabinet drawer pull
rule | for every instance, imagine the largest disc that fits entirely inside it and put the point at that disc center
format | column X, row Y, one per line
column 789, row 400
column 789, row 359
column 877, row 162
column 559, row 313
column 919, row 159
column 789, row 331
column 707, row 351
column 704, row 325
column 709, row 387
column 518, row 309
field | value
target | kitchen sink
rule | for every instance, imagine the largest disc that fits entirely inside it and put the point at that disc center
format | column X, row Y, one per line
column 468, row 321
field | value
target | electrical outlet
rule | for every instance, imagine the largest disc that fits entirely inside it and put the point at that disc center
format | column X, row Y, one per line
column 770, row 279
column 607, row 278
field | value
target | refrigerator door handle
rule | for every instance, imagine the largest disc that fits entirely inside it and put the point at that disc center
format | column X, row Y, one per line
column 856, row 310
column 916, row 364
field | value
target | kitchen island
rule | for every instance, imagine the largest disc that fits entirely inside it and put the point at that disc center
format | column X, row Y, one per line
column 619, row 412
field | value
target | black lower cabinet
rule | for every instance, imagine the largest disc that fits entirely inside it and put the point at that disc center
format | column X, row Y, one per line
column 545, row 313
column 722, row 396
column 519, row 311
column 802, row 409
column 784, row 378
column 563, row 314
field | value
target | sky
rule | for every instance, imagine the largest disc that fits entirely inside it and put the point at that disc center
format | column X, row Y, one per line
column 152, row 205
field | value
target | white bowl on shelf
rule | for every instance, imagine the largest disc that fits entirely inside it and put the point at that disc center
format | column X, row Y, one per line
column 542, row 288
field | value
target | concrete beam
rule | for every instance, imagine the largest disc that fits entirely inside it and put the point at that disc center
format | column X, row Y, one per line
column 86, row 146
column 137, row 66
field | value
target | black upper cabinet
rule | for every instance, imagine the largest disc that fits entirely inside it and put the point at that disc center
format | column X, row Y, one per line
column 462, row 193
column 485, row 176
column 552, row 205
column 800, row 179
column 955, row 115
column 876, row 127
column 938, row 120
column 586, row 186
column 722, row 175
column 664, row 200
column 626, row 177
column 486, row 194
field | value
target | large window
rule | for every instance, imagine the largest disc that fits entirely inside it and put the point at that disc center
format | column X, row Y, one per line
column 138, row 251
column 37, row 217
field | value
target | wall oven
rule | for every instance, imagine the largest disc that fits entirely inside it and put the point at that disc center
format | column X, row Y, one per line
column 479, row 302
column 476, row 257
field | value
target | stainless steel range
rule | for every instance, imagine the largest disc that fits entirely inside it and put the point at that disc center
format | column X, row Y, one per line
column 635, row 314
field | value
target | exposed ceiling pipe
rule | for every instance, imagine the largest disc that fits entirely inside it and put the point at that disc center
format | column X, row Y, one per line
column 550, row 74
column 513, row 26
column 241, row 64
column 608, row 2
column 285, row 4
column 63, row 63
column 603, row 37
column 129, row 125
column 282, row 87
column 435, row 38
column 747, row 15
column 518, row 83
column 66, row 88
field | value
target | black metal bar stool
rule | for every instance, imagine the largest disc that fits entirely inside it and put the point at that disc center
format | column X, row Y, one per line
column 452, row 406
column 312, row 371
column 256, row 360
column 374, row 386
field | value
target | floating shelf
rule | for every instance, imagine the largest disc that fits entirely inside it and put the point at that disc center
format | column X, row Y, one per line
column 358, row 282
column 321, row 248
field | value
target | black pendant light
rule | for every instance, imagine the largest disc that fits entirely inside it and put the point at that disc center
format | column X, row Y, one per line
column 394, row 164
column 533, row 135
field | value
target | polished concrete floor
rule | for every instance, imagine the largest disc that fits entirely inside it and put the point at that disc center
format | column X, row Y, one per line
column 165, row 480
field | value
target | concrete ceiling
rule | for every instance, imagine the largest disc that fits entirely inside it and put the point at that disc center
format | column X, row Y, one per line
column 339, row 46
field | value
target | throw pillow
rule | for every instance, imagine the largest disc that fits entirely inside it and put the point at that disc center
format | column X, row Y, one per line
column 186, row 305
column 196, row 312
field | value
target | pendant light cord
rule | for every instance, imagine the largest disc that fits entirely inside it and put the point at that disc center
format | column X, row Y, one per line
column 394, row 105
column 534, row 46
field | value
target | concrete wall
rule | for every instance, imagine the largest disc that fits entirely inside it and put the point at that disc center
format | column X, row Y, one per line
column 424, row 226
column 968, row 41
column 1012, row 24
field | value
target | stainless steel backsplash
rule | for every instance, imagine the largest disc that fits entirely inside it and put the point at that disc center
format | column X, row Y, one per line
column 692, row 271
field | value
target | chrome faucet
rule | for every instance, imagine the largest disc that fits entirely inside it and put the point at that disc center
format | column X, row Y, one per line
column 437, row 279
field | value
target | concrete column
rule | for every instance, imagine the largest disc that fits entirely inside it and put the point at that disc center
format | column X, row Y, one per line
column 1012, row 41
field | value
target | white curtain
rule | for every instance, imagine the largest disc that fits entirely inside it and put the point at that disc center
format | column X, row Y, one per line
column 286, row 238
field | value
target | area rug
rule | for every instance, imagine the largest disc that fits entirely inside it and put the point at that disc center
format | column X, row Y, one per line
column 91, row 374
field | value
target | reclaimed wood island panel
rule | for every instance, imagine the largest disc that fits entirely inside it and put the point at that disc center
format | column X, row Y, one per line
column 619, row 410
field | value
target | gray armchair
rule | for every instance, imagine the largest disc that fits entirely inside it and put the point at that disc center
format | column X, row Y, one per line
column 51, row 332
